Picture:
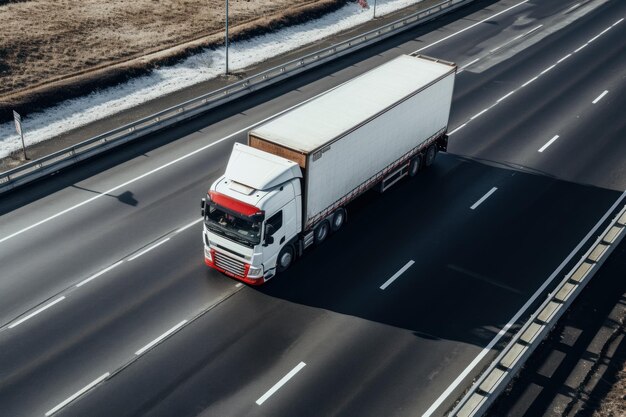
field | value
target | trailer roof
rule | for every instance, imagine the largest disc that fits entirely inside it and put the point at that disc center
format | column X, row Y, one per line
column 318, row 122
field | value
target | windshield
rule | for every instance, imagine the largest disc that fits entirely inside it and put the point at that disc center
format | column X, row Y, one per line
column 240, row 229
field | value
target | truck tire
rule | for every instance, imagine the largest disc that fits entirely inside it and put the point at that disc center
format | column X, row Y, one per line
column 414, row 165
column 430, row 155
column 339, row 218
column 285, row 258
column 321, row 232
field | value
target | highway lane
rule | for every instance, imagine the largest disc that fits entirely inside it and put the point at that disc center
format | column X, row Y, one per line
column 121, row 224
column 472, row 181
column 346, row 330
column 133, row 215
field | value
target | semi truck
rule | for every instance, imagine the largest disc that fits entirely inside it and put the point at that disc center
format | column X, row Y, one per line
column 288, row 189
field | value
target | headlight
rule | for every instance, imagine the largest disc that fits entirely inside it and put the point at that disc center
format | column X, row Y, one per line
column 254, row 271
column 207, row 254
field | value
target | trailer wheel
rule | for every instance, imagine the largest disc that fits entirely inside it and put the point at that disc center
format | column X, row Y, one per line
column 285, row 258
column 414, row 165
column 339, row 218
column 431, row 153
column 321, row 232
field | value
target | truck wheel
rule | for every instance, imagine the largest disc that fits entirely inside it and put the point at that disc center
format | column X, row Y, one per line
column 321, row 232
column 431, row 153
column 339, row 218
column 414, row 165
column 285, row 258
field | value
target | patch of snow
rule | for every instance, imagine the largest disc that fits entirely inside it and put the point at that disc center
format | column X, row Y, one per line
column 206, row 65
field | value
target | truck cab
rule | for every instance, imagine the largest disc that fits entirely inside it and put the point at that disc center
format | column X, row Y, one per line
column 250, row 213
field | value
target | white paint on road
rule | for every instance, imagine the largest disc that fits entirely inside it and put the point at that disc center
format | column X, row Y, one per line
column 530, row 81
column 577, row 5
column 550, row 142
column 471, row 26
column 193, row 223
column 580, row 48
column 599, row 34
column 467, row 65
column 483, row 198
column 397, row 275
column 78, row 394
column 505, row 96
column 600, row 96
column 479, row 113
column 563, row 59
column 94, row 276
column 457, row 129
column 547, row 69
column 540, row 291
column 156, row 245
column 160, row 338
column 280, row 383
column 34, row 313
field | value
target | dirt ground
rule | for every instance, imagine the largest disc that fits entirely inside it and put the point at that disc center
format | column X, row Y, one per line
column 614, row 404
column 43, row 43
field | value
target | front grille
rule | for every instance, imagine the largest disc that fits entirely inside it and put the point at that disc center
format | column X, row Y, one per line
column 229, row 264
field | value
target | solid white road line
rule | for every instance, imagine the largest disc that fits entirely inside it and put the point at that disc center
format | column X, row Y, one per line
column 280, row 383
column 149, row 249
column 529, row 81
column 457, row 129
column 519, row 313
column 467, row 65
column 193, row 223
column 34, row 313
column 600, row 97
column 563, row 59
column 547, row 69
column 619, row 21
column 239, row 284
column 471, row 26
column 479, row 113
column 160, row 338
column 397, row 274
column 571, row 8
column 78, row 394
column 94, row 276
column 581, row 48
column 505, row 96
column 483, row 198
column 544, row 147
column 599, row 34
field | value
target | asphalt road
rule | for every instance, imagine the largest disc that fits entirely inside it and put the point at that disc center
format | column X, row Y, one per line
column 102, row 260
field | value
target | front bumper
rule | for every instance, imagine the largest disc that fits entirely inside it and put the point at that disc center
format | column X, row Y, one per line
column 213, row 261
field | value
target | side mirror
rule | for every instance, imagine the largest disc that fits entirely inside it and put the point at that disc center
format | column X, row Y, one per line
column 269, row 231
column 203, row 205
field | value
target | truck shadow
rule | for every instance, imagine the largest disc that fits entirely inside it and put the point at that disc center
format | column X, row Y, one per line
column 473, row 269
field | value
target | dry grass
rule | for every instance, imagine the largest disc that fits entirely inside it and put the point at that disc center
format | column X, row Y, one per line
column 44, row 41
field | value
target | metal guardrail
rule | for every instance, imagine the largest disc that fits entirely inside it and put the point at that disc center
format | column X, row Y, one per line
column 509, row 362
column 103, row 142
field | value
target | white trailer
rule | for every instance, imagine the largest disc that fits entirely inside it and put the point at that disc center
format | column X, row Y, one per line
column 305, row 165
